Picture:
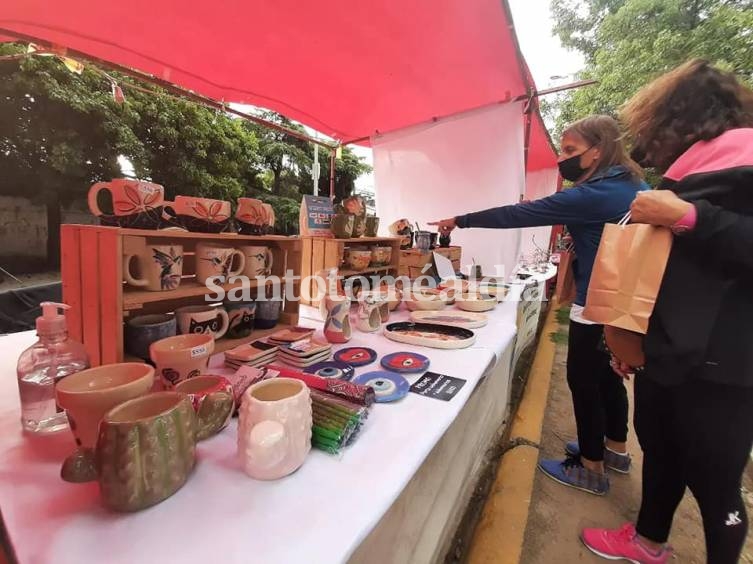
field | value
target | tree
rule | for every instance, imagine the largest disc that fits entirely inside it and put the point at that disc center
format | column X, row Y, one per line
column 347, row 170
column 59, row 133
column 629, row 42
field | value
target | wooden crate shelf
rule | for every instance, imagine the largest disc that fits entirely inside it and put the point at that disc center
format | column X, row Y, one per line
column 319, row 253
column 92, row 278
column 413, row 261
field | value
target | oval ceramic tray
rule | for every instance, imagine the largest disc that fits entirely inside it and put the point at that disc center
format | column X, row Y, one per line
column 430, row 335
column 467, row 319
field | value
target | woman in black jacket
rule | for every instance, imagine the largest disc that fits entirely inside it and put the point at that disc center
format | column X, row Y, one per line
column 694, row 398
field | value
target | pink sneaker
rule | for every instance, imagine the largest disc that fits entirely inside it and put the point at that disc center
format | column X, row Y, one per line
column 622, row 544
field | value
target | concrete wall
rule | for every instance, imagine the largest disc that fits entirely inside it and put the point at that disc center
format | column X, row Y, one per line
column 23, row 227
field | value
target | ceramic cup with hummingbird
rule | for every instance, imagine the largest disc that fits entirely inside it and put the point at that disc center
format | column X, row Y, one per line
column 159, row 267
column 216, row 261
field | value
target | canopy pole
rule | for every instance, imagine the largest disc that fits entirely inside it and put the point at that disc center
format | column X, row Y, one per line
column 332, row 158
column 164, row 84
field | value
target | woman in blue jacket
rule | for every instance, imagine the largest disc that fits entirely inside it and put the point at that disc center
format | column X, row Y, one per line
column 606, row 182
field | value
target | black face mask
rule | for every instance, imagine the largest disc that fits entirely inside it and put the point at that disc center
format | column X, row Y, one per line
column 570, row 169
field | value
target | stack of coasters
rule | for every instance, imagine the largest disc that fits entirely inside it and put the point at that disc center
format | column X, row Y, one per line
column 255, row 354
column 303, row 354
column 290, row 335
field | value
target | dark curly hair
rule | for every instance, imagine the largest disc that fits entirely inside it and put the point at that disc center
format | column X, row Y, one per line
column 694, row 102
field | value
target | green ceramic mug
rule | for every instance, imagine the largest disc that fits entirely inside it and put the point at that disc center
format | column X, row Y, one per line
column 341, row 225
column 372, row 226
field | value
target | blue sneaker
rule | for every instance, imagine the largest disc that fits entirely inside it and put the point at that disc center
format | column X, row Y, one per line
column 570, row 472
column 615, row 461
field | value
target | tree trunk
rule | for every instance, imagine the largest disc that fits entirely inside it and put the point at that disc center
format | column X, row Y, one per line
column 54, row 219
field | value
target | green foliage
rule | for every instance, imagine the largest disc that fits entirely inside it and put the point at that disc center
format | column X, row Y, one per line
column 627, row 43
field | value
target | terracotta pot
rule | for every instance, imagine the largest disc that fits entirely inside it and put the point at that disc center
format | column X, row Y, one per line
column 135, row 203
column 145, row 450
column 212, row 399
column 181, row 357
column 214, row 261
column 341, row 225
column 86, row 396
column 357, row 259
column 337, row 323
column 372, row 226
column 369, row 316
column 274, row 428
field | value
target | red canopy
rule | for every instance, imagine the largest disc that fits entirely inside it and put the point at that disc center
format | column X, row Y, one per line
column 346, row 68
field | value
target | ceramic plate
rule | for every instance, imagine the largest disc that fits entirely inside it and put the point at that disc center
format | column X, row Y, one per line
column 405, row 362
column 388, row 386
column 331, row 369
column 467, row 319
column 356, row 356
column 430, row 335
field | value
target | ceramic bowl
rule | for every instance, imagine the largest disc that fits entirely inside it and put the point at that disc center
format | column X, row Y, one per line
column 381, row 256
column 181, row 357
column 476, row 302
column 357, row 259
column 426, row 300
column 87, row 395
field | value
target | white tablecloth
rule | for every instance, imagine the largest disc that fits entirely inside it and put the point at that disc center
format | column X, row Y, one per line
column 320, row 514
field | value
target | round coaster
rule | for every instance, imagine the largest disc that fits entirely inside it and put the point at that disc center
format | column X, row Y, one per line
column 388, row 386
column 331, row 369
column 356, row 356
column 405, row 362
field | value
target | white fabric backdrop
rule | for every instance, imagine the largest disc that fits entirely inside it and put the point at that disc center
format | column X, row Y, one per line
column 462, row 164
column 539, row 184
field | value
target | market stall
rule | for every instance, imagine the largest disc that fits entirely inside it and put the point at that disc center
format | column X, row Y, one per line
column 426, row 86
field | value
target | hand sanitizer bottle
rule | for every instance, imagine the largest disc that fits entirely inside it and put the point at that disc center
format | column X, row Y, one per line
column 53, row 357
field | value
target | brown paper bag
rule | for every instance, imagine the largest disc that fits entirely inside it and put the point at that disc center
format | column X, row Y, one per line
column 627, row 274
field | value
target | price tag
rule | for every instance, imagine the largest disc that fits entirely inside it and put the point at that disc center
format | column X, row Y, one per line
column 198, row 351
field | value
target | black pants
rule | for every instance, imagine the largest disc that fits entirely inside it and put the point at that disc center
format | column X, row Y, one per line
column 698, row 434
column 599, row 396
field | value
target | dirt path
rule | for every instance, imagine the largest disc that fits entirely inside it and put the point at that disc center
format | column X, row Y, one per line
column 558, row 513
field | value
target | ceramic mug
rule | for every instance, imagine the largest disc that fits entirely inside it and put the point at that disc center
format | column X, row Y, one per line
column 143, row 330
column 213, row 401
column 267, row 313
column 382, row 301
column 372, row 226
column 341, row 225
column 160, row 267
column 199, row 214
column 135, row 203
column 146, row 450
column 369, row 317
column 240, row 319
column 337, row 322
column 359, row 226
column 204, row 319
column 181, row 357
column 259, row 260
column 357, row 259
column 86, row 396
column 274, row 428
column 252, row 217
column 380, row 256
column 214, row 260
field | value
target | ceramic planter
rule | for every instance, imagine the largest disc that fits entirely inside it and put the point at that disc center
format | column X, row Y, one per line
column 274, row 428
column 212, row 399
column 86, row 396
column 202, row 215
column 369, row 317
column 136, row 204
column 267, row 313
column 145, row 450
column 143, row 330
column 372, row 226
column 359, row 226
column 357, row 259
column 341, row 225
column 181, row 357
column 337, row 322
column 380, row 256
column 254, row 217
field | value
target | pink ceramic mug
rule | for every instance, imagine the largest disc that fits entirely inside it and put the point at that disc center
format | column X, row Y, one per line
column 199, row 214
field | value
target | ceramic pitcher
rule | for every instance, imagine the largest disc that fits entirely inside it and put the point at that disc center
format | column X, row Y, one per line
column 160, row 267
column 145, row 450
column 337, row 322
column 274, row 428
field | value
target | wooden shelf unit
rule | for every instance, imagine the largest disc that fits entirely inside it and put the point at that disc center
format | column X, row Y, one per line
column 412, row 261
column 319, row 253
column 92, row 277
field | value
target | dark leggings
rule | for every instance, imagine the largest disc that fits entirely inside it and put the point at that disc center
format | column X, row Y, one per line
column 599, row 396
column 697, row 435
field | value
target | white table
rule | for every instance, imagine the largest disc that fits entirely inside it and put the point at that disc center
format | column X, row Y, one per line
column 395, row 495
